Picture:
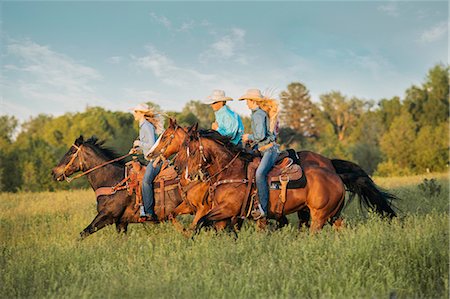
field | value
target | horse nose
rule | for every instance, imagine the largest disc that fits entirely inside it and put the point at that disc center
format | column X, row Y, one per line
column 54, row 174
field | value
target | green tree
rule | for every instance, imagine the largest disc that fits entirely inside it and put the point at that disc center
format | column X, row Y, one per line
column 398, row 142
column 298, row 111
column 341, row 112
column 432, row 148
column 436, row 104
column 388, row 110
column 9, row 168
column 202, row 112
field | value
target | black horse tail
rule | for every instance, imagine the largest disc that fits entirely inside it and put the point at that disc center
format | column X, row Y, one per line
column 358, row 182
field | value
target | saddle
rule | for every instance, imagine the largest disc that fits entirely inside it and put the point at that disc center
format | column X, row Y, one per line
column 284, row 175
column 284, row 169
column 165, row 186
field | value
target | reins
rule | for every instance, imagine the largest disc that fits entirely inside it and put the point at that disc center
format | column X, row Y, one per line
column 70, row 179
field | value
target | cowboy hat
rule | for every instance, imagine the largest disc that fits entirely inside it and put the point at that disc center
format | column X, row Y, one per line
column 141, row 107
column 217, row 96
column 253, row 94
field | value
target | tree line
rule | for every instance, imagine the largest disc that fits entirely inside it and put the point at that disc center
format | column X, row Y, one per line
column 396, row 136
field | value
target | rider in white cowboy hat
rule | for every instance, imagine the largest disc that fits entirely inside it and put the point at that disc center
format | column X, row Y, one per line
column 228, row 123
column 262, row 139
column 149, row 122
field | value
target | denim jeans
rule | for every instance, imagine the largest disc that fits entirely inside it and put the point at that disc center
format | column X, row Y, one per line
column 147, row 187
column 267, row 161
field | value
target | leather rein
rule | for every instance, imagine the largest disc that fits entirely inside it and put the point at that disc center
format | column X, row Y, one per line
column 70, row 179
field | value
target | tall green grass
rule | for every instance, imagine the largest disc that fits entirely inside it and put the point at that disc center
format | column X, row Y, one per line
column 370, row 258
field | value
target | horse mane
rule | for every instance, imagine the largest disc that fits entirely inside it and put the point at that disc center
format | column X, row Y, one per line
column 99, row 147
column 225, row 141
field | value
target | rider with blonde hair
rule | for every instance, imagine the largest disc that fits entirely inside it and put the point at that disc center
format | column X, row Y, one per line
column 263, row 139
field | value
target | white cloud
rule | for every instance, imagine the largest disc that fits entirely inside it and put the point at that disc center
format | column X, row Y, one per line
column 48, row 81
column 115, row 59
column 390, row 9
column 161, row 20
column 227, row 47
column 435, row 33
column 165, row 69
column 186, row 26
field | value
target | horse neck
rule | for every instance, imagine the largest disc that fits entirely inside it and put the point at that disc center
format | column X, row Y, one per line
column 106, row 176
column 221, row 157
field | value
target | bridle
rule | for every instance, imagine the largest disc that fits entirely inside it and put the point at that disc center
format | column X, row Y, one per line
column 75, row 155
column 202, row 172
column 162, row 150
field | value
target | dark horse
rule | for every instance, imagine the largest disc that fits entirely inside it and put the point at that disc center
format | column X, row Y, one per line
column 118, row 208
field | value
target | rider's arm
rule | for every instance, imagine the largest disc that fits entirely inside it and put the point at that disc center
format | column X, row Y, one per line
column 259, row 127
column 146, row 137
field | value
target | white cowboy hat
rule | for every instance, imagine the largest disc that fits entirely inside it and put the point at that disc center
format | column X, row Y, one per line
column 217, row 96
column 253, row 94
column 141, row 107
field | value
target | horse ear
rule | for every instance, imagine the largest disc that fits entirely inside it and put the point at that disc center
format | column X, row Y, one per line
column 172, row 122
column 192, row 129
column 79, row 141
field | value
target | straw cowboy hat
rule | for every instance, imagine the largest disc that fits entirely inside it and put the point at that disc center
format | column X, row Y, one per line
column 253, row 94
column 217, row 96
column 142, row 107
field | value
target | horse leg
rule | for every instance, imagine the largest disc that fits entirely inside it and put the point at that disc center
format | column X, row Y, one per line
column 220, row 225
column 99, row 222
column 122, row 227
column 338, row 224
column 318, row 220
column 303, row 218
column 199, row 214
column 182, row 208
column 282, row 222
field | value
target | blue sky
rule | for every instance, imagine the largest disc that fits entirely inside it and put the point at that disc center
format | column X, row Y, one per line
column 61, row 57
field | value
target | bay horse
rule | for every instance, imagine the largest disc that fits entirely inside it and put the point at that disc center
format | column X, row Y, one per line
column 193, row 189
column 118, row 208
column 350, row 174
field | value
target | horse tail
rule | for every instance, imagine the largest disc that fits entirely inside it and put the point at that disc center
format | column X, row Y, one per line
column 358, row 182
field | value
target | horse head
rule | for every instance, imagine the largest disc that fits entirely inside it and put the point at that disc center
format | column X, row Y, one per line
column 169, row 142
column 71, row 162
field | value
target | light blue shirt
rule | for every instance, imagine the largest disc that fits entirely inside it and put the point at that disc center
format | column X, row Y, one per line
column 147, row 136
column 261, row 128
column 229, row 124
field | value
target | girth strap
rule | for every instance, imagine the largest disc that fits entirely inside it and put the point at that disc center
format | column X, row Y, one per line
column 279, row 208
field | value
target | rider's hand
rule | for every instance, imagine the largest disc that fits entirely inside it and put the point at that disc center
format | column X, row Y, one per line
column 136, row 143
column 245, row 138
column 132, row 151
column 214, row 126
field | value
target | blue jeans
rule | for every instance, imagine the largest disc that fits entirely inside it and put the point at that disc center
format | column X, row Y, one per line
column 147, row 187
column 267, row 161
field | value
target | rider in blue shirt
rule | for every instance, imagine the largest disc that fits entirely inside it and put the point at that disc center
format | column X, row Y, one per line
column 228, row 123
column 147, row 137
column 262, row 139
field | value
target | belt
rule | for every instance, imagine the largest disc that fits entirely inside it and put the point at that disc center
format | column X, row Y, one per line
column 266, row 147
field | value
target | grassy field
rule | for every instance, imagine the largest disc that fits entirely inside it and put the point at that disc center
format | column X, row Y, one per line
column 369, row 258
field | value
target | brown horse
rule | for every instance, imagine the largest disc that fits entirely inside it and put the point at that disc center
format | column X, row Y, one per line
column 118, row 208
column 357, row 182
column 194, row 191
column 323, row 195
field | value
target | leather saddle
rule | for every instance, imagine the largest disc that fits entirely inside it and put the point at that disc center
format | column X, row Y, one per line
column 284, row 169
column 165, row 187
column 136, row 172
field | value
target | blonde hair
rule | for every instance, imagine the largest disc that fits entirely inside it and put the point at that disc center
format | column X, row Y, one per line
column 156, row 119
column 271, row 107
